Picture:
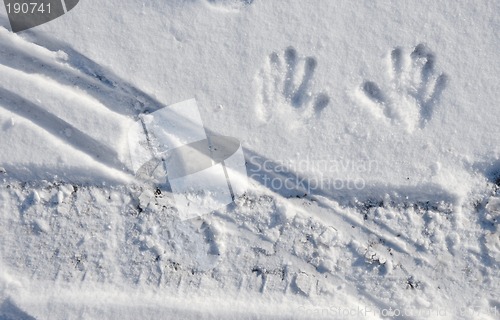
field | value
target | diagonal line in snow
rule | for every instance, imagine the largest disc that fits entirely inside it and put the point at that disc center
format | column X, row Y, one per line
column 55, row 125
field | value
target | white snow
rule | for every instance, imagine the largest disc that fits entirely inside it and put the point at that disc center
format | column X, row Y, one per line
column 370, row 135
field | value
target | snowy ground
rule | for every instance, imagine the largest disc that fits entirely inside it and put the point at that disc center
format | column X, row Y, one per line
column 372, row 146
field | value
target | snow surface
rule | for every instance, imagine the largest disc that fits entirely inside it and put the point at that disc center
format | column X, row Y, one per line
column 371, row 137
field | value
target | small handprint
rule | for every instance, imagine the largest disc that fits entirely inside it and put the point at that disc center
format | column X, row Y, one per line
column 285, row 86
column 413, row 91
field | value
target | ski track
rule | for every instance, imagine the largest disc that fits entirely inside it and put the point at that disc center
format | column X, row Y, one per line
column 40, row 54
column 77, row 81
column 55, row 126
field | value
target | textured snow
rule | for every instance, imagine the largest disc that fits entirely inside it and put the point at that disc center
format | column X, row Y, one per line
column 371, row 138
